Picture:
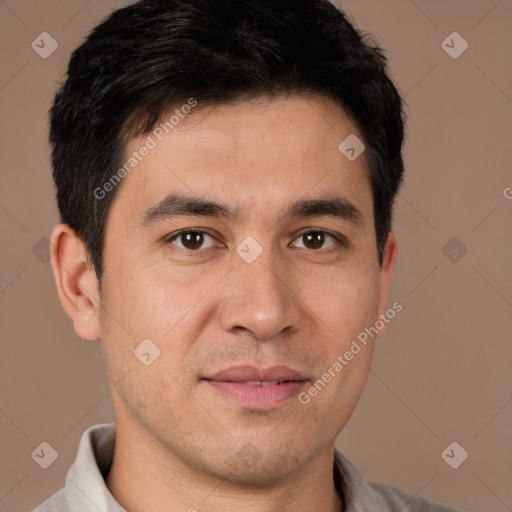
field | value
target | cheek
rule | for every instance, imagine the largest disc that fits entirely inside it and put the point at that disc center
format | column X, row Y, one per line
column 151, row 304
column 150, row 301
column 346, row 304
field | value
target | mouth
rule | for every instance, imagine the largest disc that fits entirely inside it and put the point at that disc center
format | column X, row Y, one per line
column 258, row 388
column 263, row 382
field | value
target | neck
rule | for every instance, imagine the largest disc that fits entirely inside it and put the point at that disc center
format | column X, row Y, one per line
column 145, row 476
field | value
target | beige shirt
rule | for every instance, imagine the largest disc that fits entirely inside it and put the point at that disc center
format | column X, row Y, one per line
column 85, row 489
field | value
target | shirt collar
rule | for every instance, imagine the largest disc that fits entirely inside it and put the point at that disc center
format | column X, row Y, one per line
column 85, row 487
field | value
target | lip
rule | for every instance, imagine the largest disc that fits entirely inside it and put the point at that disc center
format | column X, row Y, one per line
column 246, row 373
column 239, row 383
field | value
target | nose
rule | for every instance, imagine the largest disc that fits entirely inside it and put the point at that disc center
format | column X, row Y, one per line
column 259, row 298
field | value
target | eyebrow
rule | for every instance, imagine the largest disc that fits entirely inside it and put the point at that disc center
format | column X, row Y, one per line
column 178, row 205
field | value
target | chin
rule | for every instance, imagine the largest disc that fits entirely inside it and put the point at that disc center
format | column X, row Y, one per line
column 247, row 465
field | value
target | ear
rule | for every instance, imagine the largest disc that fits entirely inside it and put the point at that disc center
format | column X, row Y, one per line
column 386, row 271
column 77, row 285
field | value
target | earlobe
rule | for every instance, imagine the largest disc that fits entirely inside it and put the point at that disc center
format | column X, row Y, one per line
column 386, row 272
column 77, row 285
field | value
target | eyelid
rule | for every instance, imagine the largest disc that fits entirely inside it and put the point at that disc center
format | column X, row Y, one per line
column 340, row 240
column 173, row 236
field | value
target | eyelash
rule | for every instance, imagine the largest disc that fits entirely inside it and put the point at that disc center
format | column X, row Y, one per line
column 339, row 240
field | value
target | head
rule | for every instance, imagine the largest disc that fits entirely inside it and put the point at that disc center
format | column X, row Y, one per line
column 225, row 118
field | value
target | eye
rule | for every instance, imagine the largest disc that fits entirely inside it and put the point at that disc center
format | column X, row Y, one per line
column 315, row 240
column 192, row 240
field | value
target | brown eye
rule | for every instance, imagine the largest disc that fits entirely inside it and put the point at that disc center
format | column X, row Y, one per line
column 191, row 240
column 316, row 240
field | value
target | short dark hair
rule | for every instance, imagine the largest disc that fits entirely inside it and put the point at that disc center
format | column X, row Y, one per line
column 153, row 55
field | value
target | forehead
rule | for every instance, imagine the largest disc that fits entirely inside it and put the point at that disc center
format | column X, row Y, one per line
column 260, row 153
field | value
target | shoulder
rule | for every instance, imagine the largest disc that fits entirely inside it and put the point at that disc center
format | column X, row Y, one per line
column 393, row 497
column 55, row 503
column 363, row 496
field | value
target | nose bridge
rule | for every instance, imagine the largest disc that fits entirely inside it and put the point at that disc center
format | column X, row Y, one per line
column 260, row 298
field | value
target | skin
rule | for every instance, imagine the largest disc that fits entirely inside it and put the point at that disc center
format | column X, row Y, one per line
column 208, row 309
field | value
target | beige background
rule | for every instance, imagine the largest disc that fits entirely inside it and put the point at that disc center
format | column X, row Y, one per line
column 441, row 373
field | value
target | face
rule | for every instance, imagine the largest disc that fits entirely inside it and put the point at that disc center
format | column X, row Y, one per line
column 270, row 285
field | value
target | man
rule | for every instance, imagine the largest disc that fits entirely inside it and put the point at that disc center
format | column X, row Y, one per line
column 225, row 172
